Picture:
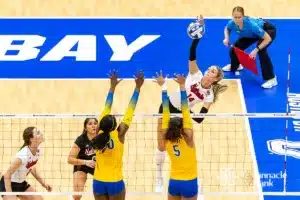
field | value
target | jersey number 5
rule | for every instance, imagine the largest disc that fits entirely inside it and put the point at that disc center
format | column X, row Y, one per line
column 110, row 144
column 176, row 150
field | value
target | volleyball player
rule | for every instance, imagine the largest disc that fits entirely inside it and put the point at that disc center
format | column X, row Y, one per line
column 200, row 89
column 109, row 145
column 81, row 155
column 24, row 163
column 180, row 145
column 251, row 30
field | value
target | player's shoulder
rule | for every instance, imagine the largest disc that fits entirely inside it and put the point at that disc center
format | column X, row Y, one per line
column 23, row 151
column 23, row 154
column 253, row 21
column 81, row 140
column 115, row 135
column 230, row 24
column 195, row 76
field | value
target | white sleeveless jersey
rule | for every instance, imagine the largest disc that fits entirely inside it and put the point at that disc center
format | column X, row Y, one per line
column 28, row 161
column 195, row 92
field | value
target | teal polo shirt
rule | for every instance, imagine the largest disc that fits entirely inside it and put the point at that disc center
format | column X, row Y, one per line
column 252, row 28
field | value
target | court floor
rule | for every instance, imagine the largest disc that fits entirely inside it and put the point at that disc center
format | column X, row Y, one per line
column 225, row 160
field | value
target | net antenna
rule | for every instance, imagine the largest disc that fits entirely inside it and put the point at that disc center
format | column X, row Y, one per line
column 288, row 85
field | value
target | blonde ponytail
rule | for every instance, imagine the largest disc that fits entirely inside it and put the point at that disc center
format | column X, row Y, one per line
column 216, row 86
column 217, row 89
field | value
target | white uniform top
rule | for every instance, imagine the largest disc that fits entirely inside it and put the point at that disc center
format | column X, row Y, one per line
column 195, row 92
column 28, row 161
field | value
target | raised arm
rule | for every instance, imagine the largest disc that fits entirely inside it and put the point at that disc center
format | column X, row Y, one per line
column 110, row 96
column 160, row 80
column 193, row 67
column 127, row 119
column 166, row 111
column 187, row 121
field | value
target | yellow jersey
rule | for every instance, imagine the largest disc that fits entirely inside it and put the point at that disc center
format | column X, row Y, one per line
column 109, row 164
column 183, row 160
column 183, row 157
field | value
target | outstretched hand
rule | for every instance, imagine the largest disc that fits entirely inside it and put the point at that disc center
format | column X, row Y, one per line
column 114, row 81
column 180, row 79
column 139, row 79
column 159, row 79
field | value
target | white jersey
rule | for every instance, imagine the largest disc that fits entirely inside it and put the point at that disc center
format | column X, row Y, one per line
column 28, row 161
column 195, row 92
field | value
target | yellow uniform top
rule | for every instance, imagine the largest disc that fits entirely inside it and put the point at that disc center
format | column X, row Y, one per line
column 183, row 157
column 183, row 160
column 109, row 164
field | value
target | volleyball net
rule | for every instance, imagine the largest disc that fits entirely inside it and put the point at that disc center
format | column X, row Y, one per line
column 227, row 161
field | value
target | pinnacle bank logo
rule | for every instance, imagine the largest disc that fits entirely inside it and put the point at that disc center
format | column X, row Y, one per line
column 28, row 47
column 268, row 179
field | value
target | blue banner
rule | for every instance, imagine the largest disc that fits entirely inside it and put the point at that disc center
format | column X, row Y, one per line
column 88, row 48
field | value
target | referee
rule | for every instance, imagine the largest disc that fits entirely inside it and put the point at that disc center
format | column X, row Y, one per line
column 251, row 30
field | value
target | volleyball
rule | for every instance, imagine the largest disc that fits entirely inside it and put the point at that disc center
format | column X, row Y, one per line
column 195, row 30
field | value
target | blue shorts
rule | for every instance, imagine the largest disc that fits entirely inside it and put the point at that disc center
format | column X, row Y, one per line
column 108, row 188
column 187, row 189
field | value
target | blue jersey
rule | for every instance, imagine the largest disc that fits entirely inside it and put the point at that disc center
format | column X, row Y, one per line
column 252, row 28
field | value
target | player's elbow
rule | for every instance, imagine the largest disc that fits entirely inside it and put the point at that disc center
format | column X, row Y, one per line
column 7, row 175
column 70, row 160
column 198, row 120
column 267, row 38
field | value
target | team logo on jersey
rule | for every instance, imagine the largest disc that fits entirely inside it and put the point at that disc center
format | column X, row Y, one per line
column 31, row 164
column 195, row 90
column 89, row 151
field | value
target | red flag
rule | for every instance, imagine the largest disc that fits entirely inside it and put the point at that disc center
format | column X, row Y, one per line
column 245, row 60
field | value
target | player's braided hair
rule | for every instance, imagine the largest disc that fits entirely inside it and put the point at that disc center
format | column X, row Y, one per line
column 107, row 124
